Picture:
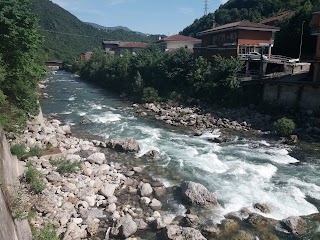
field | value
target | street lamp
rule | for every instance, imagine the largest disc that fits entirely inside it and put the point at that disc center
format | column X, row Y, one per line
column 301, row 40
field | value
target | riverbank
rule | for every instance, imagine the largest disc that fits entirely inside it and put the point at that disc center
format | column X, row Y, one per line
column 105, row 200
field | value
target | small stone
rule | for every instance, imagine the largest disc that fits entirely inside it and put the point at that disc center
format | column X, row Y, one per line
column 145, row 200
column 145, row 189
column 77, row 220
column 155, row 204
column 108, row 190
column 112, row 207
column 98, row 158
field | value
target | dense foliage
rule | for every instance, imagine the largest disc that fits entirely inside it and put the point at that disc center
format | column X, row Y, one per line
column 153, row 75
column 257, row 10
column 284, row 126
column 65, row 36
column 20, row 67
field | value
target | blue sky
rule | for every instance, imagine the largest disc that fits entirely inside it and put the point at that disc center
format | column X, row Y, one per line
column 148, row 16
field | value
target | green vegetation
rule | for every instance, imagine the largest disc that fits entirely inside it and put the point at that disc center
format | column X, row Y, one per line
column 20, row 151
column 153, row 75
column 34, row 178
column 17, row 205
column 257, row 10
column 65, row 165
column 35, row 151
column 20, row 67
column 65, row 36
column 48, row 232
column 284, row 126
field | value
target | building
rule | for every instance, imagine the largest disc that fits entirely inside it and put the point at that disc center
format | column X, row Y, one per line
column 236, row 39
column 86, row 55
column 178, row 41
column 54, row 64
column 118, row 47
column 315, row 30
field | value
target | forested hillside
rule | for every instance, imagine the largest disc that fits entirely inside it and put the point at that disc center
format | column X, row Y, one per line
column 257, row 10
column 65, row 36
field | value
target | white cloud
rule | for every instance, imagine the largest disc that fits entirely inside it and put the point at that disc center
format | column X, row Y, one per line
column 223, row 1
column 186, row 10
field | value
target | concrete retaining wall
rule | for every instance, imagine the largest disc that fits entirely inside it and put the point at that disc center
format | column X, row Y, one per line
column 10, row 169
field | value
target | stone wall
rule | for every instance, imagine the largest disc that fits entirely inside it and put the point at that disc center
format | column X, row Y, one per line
column 10, row 170
column 293, row 95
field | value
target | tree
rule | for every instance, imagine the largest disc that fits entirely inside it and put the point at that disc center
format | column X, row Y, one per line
column 19, row 48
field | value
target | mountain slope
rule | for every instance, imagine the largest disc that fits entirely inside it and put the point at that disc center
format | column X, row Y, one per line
column 109, row 28
column 65, row 36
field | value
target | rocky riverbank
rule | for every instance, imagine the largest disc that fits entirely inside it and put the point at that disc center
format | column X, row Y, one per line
column 107, row 200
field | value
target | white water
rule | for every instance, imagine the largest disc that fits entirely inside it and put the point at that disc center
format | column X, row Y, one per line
column 242, row 172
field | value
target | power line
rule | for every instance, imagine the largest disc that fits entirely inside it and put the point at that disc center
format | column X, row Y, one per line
column 205, row 7
column 70, row 34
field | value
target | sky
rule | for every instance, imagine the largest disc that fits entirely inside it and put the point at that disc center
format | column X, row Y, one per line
column 148, row 16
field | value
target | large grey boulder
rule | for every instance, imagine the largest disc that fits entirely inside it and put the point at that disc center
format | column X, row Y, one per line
column 98, row 158
column 152, row 154
column 125, row 145
column 145, row 189
column 175, row 232
column 128, row 226
column 296, row 225
column 197, row 194
column 108, row 190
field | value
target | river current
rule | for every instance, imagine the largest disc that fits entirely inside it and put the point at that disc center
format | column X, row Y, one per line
column 241, row 172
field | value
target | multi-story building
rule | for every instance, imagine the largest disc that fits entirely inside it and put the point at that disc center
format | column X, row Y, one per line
column 178, row 41
column 236, row 39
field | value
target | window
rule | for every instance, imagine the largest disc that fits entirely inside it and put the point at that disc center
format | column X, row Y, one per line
column 186, row 46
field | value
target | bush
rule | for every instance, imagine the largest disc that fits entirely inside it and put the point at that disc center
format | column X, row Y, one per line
column 19, row 150
column 48, row 232
column 150, row 95
column 65, row 166
column 35, row 151
column 34, row 178
column 284, row 126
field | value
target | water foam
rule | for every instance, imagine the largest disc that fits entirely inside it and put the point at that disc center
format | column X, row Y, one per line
column 105, row 117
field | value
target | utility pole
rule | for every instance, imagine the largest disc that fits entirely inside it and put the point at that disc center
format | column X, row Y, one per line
column 301, row 38
column 205, row 7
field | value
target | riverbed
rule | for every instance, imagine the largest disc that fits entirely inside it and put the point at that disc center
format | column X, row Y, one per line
column 241, row 172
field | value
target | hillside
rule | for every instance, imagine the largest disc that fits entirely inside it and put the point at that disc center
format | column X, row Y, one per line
column 257, row 10
column 109, row 28
column 65, row 36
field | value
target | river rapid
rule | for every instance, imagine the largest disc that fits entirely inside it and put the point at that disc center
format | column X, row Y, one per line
column 241, row 172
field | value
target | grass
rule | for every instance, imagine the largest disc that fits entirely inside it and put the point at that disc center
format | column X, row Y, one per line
column 34, row 178
column 48, row 232
column 65, row 165
column 20, row 151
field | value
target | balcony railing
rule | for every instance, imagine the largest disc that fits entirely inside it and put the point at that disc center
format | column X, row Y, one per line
column 316, row 8
column 314, row 30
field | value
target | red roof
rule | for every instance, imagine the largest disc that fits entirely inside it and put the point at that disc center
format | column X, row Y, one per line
column 241, row 24
column 178, row 37
column 133, row 45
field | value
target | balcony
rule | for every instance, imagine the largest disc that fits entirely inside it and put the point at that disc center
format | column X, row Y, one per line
column 316, row 9
column 314, row 30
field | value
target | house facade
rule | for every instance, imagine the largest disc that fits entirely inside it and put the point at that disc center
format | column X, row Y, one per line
column 236, row 39
column 178, row 41
column 86, row 55
column 118, row 48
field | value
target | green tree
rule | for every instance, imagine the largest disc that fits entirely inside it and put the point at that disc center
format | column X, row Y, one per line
column 19, row 47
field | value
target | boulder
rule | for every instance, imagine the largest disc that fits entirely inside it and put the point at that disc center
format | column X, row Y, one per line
column 197, row 194
column 264, row 208
column 128, row 227
column 145, row 189
column 126, row 145
column 155, row 204
column 153, row 154
column 296, row 225
column 175, row 232
column 98, row 158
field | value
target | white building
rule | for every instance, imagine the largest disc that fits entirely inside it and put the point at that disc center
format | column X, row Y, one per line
column 178, row 41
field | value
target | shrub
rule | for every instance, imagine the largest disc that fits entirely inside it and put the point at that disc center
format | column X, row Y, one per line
column 34, row 178
column 284, row 126
column 35, row 151
column 48, row 232
column 150, row 95
column 19, row 150
column 65, row 166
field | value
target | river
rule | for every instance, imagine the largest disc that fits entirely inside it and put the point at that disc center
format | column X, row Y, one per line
column 242, row 172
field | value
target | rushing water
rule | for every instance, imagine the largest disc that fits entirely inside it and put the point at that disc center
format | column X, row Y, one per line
column 242, row 172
